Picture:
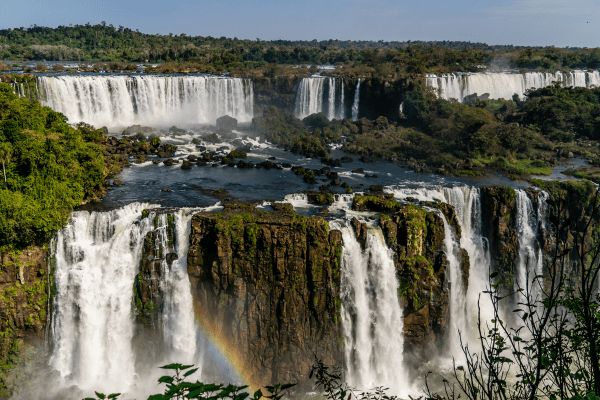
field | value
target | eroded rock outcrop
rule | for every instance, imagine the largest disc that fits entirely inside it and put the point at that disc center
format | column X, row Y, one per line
column 417, row 238
column 23, row 303
column 498, row 208
column 268, row 284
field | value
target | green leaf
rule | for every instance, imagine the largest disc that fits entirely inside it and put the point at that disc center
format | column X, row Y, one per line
column 166, row 379
column 100, row 395
column 158, row 397
column 190, row 372
column 172, row 366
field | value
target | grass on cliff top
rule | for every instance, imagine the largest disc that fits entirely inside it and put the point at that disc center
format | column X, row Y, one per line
column 513, row 166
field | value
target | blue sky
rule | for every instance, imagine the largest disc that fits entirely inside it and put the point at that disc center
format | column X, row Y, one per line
column 524, row 22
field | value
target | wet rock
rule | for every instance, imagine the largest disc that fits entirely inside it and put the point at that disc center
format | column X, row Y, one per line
column 186, row 165
column 271, row 283
column 244, row 164
column 226, row 124
column 137, row 130
column 376, row 188
column 266, row 165
column 322, row 198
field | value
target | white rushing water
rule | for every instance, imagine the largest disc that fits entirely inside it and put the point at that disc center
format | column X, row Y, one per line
column 118, row 101
column 97, row 257
column 465, row 302
column 458, row 324
column 530, row 261
column 319, row 94
column 177, row 313
column 503, row 85
column 356, row 101
column 372, row 318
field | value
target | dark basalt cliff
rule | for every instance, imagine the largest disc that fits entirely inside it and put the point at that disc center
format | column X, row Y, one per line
column 498, row 206
column 23, row 304
column 377, row 97
column 269, row 283
column 417, row 238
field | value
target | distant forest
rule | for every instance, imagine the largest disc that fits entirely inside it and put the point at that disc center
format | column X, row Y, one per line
column 106, row 43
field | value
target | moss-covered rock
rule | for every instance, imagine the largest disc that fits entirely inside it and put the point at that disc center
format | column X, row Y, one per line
column 375, row 202
column 24, row 295
column 417, row 237
column 498, row 208
column 320, row 198
column 268, row 283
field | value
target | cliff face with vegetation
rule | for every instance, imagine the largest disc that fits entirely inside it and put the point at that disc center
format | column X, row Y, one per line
column 23, row 304
column 269, row 284
column 417, row 238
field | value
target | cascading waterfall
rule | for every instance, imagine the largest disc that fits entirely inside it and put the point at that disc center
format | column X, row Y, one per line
column 530, row 260
column 356, row 102
column 467, row 205
column 371, row 313
column 19, row 88
column 503, row 85
column 123, row 100
column 177, row 313
column 466, row 202
column 97, row 256
column 319, row 94
column 458, row 305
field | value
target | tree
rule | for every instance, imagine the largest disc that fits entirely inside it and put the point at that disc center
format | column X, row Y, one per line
column 5, row 156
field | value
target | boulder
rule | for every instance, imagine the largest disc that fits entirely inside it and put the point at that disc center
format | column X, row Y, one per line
column 226, row 124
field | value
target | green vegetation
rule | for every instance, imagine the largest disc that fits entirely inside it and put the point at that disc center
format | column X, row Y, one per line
column 179, row 387
column 119, row 47
column 381, row 203
column 513, row 137
column 48, row 168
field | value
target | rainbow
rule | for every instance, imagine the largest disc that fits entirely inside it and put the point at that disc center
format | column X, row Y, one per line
column 227, row 355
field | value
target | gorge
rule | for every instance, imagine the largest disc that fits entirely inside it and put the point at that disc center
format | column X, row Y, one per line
column 388, row 284
column 249, row 260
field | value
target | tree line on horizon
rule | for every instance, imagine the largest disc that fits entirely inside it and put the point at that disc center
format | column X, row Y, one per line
column 102, row 42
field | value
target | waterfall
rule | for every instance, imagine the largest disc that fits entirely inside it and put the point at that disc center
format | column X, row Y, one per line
column 177, row 313
column 458, row 306
column 318, row 94
column 467, row 205
column 530, row 260
column 466, row 202
column 356, row 102
column 97, row 257
column 341, row 112
column 123, row 100
column 503, row 85
column 371, row 313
